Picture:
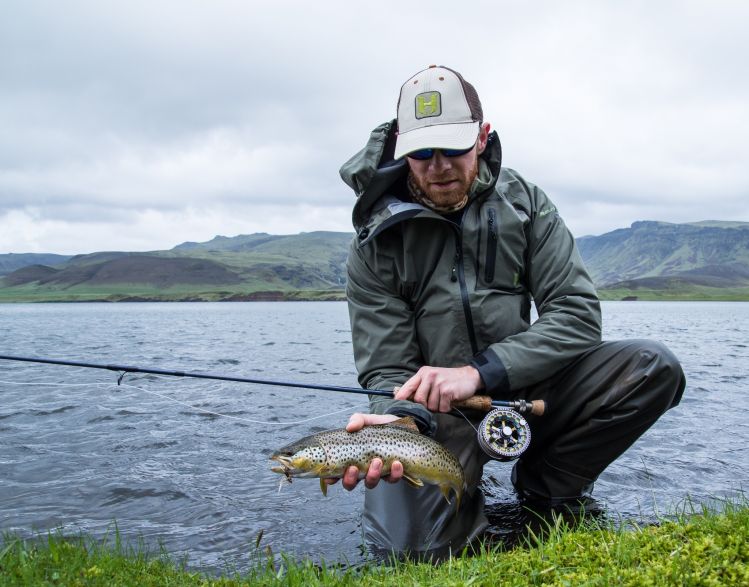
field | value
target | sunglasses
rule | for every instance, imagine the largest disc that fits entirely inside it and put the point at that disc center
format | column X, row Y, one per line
column 424, row 154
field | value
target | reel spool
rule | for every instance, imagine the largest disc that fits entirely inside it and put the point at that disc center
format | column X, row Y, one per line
column 504, row 434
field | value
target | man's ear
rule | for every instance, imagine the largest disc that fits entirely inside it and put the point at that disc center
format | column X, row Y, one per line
column 483, row 137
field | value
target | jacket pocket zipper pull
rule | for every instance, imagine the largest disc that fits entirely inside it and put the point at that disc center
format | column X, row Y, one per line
column 454, row 272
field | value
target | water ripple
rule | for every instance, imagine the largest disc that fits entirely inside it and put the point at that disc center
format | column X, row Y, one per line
column 79, row 457
column 122, row 494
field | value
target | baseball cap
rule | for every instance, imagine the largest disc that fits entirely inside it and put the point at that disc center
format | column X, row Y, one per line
column 437, row 109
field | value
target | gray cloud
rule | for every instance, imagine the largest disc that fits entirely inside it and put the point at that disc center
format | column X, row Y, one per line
column 129, row 124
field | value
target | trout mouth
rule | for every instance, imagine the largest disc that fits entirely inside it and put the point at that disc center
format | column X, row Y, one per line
column 286, row 467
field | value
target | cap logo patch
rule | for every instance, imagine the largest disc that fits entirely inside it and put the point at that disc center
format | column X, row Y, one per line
column 428, row 104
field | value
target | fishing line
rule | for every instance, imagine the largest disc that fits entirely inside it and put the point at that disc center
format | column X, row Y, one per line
column 251, row 421
column 521, row 405
column 266, row 423
column 466, row 419
column 50, row 383
column 503, row 433
column 185, row 404
column 203, row 410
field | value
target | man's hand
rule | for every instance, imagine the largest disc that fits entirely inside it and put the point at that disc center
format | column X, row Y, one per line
column 374, row 473
column 437, row 388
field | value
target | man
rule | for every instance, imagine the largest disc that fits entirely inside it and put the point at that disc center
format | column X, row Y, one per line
column 451, row 249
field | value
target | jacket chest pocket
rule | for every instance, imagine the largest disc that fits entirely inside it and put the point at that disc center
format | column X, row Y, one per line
column 501, row 250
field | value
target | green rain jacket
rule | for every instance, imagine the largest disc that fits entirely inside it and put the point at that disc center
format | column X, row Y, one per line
column 425, row 290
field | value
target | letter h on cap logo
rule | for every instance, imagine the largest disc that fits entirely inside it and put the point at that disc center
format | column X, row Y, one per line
column 428, row 104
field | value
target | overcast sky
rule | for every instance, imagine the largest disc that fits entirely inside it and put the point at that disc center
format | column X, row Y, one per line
column 139, row 125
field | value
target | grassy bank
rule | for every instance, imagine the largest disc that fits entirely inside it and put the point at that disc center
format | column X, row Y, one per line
column 141, row 294
column 26, row 294
column 706, row 548
column 685, row 294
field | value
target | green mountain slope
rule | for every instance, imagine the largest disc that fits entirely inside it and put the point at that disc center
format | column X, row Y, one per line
column 247, row 267
column 649, row 260
column 12, row 261
column 652, row 249
column 656, row 260
column 306, row 260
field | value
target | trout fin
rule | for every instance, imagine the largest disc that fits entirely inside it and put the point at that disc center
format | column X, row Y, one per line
column 323, row 487
column 413, row 481
column 445, row 490
column 405, row 422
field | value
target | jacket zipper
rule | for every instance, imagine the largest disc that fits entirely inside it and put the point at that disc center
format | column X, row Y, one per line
column 458, row 274
column 491, row 247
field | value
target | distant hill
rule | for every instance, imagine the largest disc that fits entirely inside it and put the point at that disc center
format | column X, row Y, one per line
column 246, row 267
column 12, row 261
column 150, row 270
column 653, row 257
column 649, row 260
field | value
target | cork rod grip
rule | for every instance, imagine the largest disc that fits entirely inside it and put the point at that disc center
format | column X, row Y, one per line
column 538, row 407
column 484, row 403
column 476, row 402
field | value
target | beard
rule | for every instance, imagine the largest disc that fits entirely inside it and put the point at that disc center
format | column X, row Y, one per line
column 449, row 188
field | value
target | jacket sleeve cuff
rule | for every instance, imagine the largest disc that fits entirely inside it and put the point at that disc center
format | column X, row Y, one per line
column 492, row 372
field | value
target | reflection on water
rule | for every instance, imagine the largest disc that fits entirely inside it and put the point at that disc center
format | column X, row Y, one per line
column 77, row 451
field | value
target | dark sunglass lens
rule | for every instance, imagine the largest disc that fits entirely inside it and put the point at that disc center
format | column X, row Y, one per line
column 422, row 154
column 455, row 152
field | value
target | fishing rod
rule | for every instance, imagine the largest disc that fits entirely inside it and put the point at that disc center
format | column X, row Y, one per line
column 503, row 434
column 485, row 401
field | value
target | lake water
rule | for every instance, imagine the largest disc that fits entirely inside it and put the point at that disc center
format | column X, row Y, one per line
column 78, row 452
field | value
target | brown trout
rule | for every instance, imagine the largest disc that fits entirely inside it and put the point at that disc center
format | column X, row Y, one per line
column 328, row 454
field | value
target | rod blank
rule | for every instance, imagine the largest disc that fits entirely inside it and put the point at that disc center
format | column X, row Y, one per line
column 220, row 377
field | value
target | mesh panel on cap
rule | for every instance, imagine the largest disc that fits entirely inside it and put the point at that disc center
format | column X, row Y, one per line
column 472, row 96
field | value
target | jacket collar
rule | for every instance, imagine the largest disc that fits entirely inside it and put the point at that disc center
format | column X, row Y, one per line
column 373, row 173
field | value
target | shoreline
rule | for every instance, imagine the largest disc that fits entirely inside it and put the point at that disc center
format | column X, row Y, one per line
column 700, row 547
column 303, row 296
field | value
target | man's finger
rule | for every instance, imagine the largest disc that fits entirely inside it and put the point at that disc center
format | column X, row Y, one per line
column 445, row 403
column 373, row 473
column 355, row 422
column 408, row 388
column 396, row 472
column 358, row 421
column 435, row 398
column 423, row 393
column 350, row 478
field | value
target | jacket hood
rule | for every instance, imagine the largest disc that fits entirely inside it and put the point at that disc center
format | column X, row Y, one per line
column 373, row 172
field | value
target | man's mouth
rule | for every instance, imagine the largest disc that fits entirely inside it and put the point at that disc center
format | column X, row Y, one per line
column 444, row 183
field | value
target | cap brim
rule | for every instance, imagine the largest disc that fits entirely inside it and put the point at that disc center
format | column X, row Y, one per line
column 438, row 136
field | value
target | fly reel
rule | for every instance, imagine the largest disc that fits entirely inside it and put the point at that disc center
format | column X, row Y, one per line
column 504, row 434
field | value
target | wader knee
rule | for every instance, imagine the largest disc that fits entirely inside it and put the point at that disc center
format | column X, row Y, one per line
column 603, row 403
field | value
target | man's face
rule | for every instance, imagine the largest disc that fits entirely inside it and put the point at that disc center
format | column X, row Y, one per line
column 446, row 180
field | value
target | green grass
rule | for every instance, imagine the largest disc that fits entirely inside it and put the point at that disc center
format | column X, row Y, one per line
column 697, row 548
column 140, row 292
column 212, row 293
column 693, row 293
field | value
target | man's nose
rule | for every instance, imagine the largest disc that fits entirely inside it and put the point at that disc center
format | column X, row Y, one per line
column 439, row 161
